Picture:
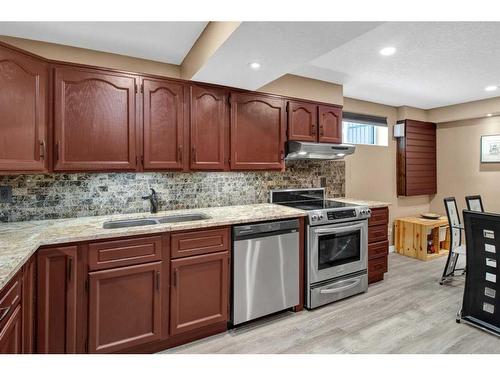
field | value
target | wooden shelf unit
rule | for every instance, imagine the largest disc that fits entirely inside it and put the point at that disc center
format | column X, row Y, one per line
column 411, row 237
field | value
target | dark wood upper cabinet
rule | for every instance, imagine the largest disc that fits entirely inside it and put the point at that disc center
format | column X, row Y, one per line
column 94, row 120
column 125, row 307
column 209, row 118
column 57, row 300
column 164, row 132
column 23, row 113
column 329, row 124
column 199, row 291
column 257, row 132
column 416, row 159
column 302, row 121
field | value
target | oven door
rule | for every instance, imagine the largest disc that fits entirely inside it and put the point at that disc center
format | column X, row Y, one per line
column 337, row 250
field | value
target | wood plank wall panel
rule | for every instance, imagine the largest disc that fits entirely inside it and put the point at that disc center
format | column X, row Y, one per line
column 416, row 159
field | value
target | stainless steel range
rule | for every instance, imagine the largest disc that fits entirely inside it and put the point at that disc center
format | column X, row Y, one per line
column 336, row 245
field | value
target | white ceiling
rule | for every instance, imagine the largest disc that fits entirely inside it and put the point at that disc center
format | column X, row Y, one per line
column 167, row 42
column 436, row 63
column 281, row 47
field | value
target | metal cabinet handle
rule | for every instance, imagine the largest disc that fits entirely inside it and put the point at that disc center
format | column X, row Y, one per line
column 4, row 311
column 313, row 129
column 339, row 289
column 321, row 130
column 42, row 150
column 158, row 280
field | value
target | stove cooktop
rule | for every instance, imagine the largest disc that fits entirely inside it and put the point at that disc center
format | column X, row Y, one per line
column 320, row 210
column 317, row 205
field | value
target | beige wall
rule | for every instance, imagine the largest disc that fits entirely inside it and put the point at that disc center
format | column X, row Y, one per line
column 305, row 88
column 412, row 113
column 371, row 171
column 90, row 57
column 459, row 170
column 465, row 111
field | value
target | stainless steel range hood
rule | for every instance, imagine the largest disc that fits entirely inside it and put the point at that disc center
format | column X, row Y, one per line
column 317, row 151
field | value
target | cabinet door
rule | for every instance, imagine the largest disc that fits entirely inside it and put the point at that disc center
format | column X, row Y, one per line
column 95, row 120
column 417, row 159
column 28, row 303
column 57, row 300
column 124, row 307
column 330, row 124
column 164, row 125
column 23, row 113
column 302, row 121
column 257, row 132
column 209, row 128
column 198, row 292
column 11, row 336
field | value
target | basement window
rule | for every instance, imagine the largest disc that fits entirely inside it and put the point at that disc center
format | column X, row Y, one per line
column 364, row 129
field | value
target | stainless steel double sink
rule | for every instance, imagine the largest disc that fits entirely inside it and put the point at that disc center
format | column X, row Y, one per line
column 153, row 221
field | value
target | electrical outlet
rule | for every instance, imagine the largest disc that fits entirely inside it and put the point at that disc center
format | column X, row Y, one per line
column 5, row 194
column 323, row 181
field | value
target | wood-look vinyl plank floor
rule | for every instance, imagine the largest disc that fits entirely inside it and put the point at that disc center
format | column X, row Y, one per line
column 408, row 312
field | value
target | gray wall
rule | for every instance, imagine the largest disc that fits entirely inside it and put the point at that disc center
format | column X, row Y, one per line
column 53, row 196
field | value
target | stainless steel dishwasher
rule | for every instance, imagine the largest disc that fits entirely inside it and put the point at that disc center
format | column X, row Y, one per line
column 265, row 269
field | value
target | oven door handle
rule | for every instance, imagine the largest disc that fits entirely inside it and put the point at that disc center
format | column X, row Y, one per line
column 349, row 228
column 339, row 289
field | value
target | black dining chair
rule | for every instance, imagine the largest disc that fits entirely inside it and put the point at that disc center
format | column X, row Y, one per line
column 481, row 305
column 456, row 246
column 474, row 203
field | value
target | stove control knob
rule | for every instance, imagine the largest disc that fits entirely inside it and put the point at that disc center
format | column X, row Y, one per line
column 321, row 216
column 368, row 211
column 314, row 217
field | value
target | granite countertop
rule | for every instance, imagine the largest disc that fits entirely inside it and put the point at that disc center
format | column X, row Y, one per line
column 364, row 202
column 20, row 240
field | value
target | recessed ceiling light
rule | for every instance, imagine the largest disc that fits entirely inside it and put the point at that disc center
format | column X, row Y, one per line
column 255, row 65
column 490, row 88
column 489, row 114
column 388, row 51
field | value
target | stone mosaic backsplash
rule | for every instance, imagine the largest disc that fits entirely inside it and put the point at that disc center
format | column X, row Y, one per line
column 54, row 196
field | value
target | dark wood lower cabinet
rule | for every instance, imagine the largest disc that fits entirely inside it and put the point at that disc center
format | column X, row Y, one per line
column 378, row 246
column 11, row 335
column 144, row 307
column 125, row 307
column 28, row 306
column 199, row 291
column 57, row 300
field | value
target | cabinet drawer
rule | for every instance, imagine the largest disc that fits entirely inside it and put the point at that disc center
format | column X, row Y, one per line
column 10, row 296
column 377, row 265
column 377, row 233
column 199, row 242
column 124, row 252
column 378, row 249
column 379, row 216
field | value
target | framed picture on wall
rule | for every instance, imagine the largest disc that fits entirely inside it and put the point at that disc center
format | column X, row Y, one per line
column 490, row 148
